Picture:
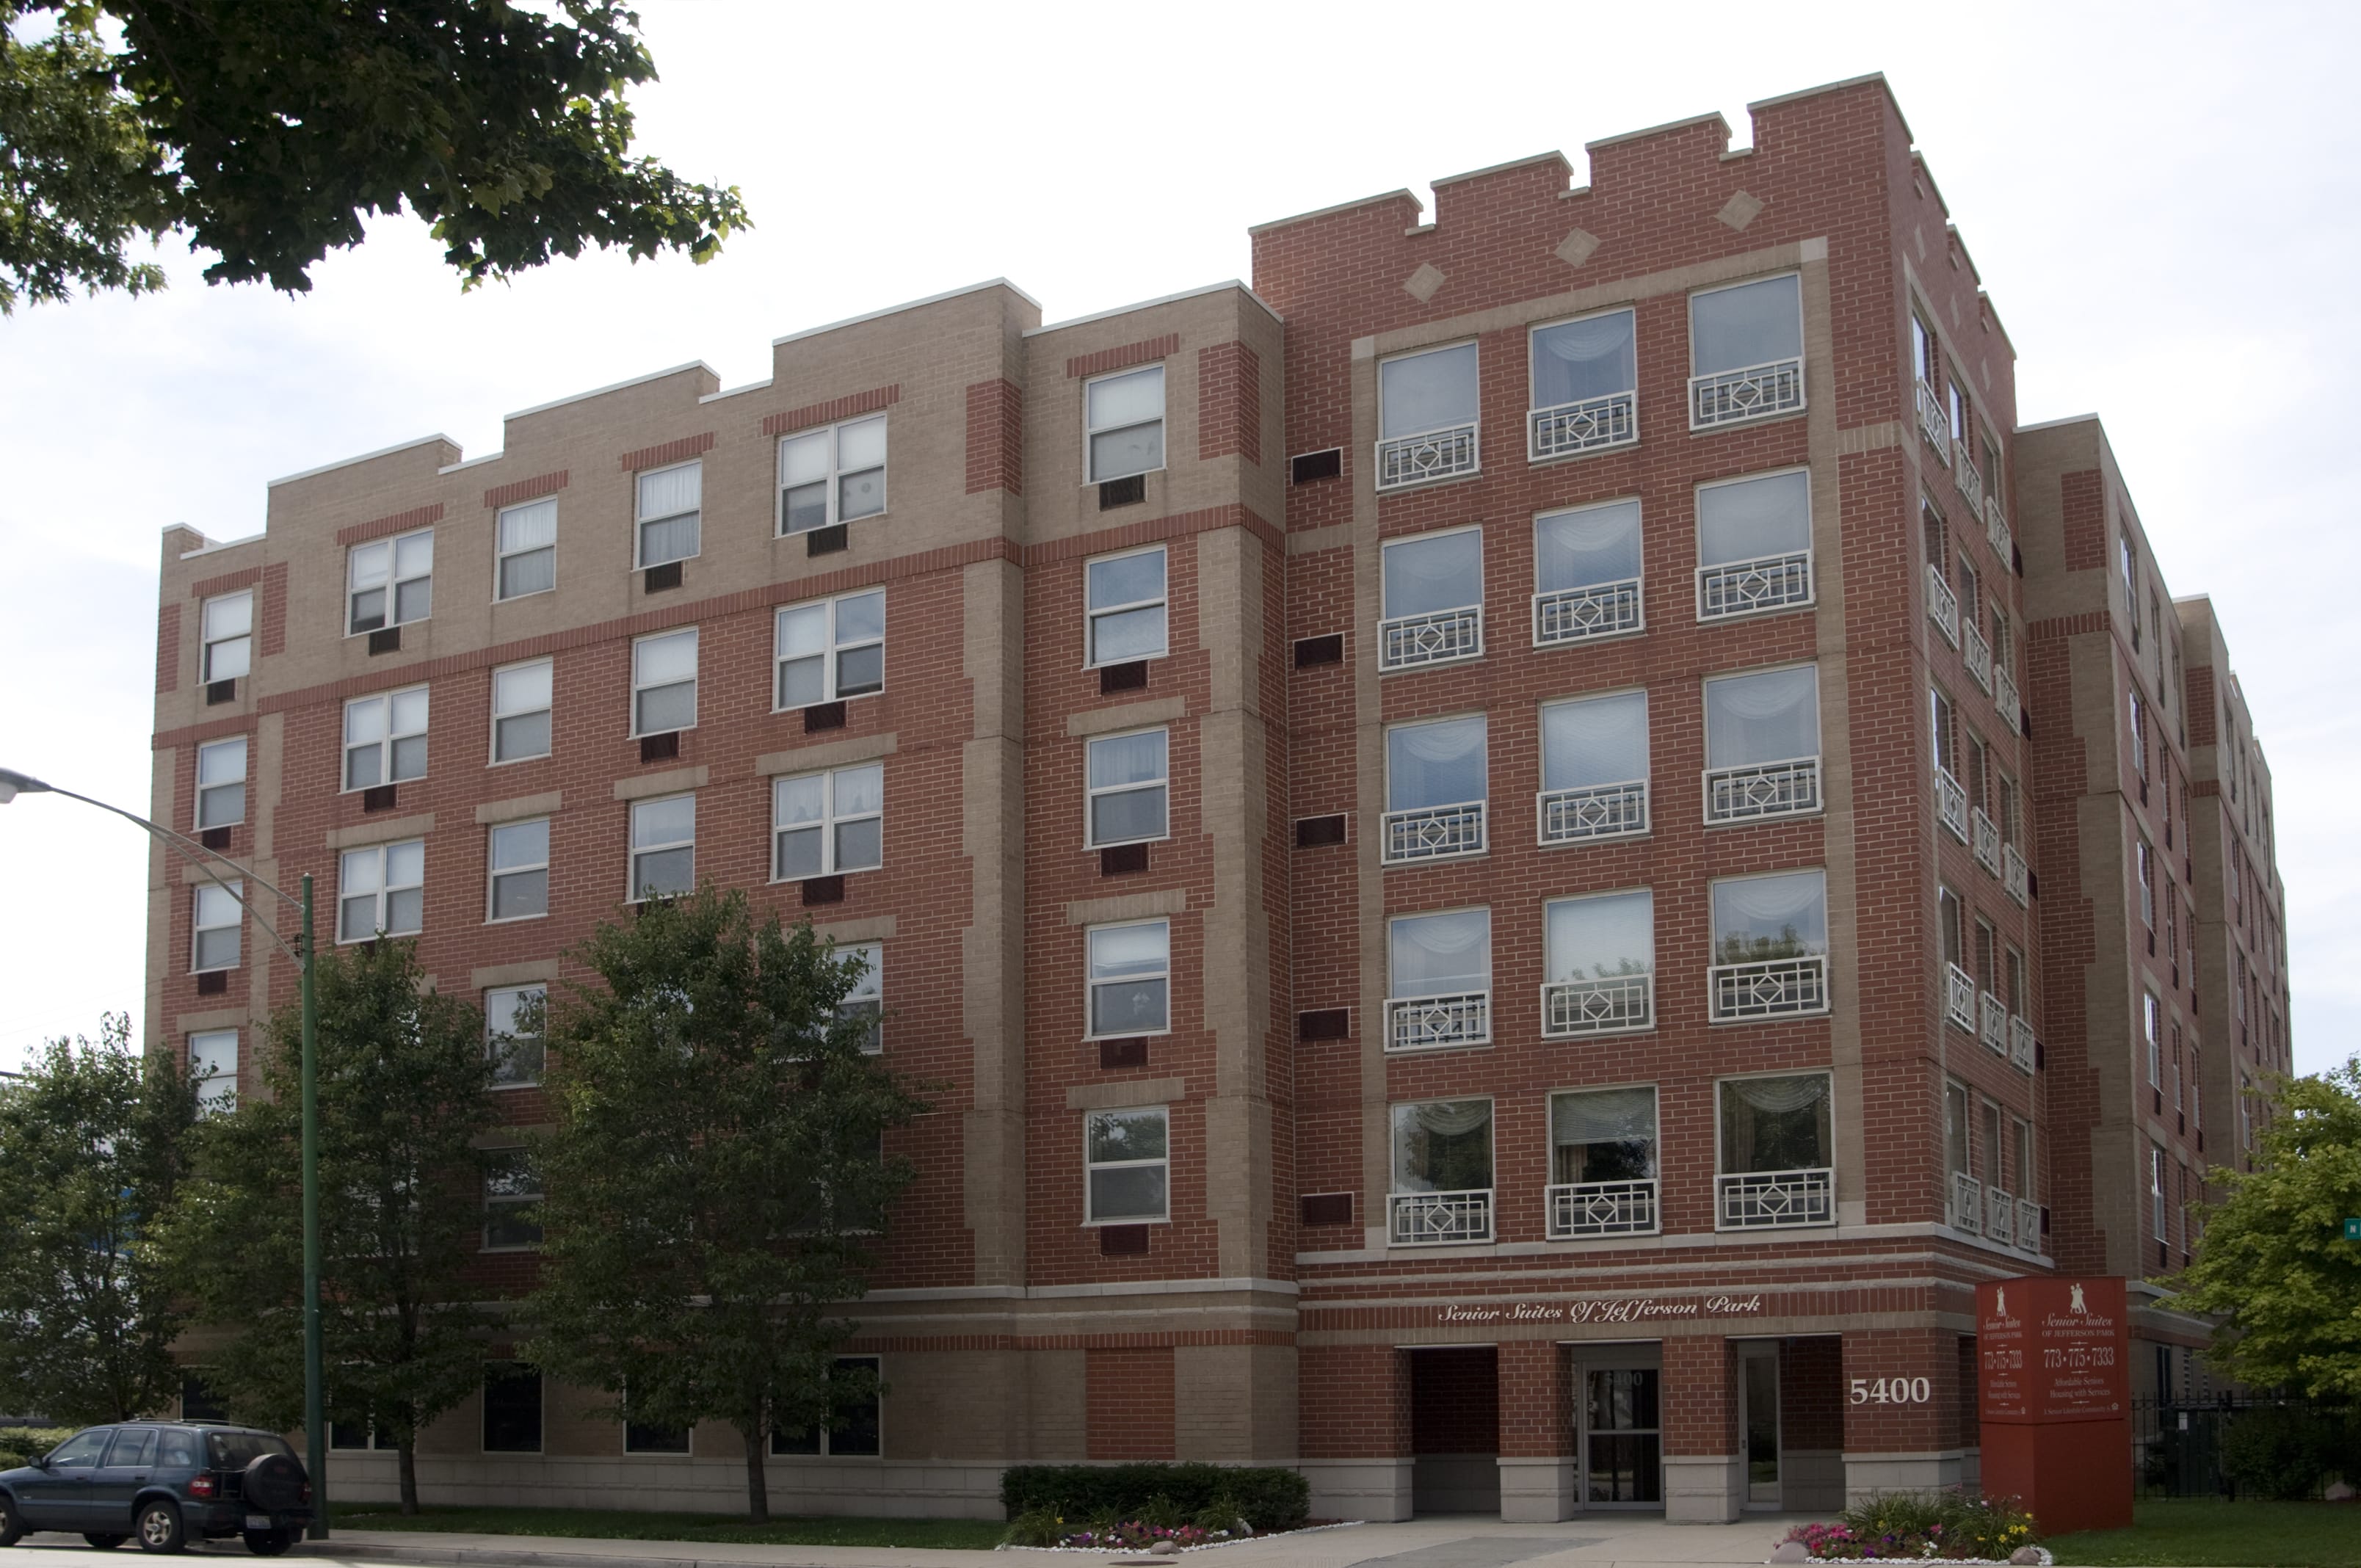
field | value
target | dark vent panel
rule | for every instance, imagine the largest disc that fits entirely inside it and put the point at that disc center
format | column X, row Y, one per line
column 1313, row 832
column 823, row 890
column 1327, row 1209
column 827, row 541
column 386, row 639
column 225, row 691
column 822, row 716
column 1122, row 1241
column 1311, row 652
column 658, row 578
column 214, row 983
column 1324, row 1024
column 1131, row 1052
column 214, row 838
column 661, row 748
column 1124, row 492
column 1311, row 467
column 378, row 798
column 1130, row 677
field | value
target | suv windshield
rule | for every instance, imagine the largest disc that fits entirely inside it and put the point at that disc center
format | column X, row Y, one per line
column 236, row 1450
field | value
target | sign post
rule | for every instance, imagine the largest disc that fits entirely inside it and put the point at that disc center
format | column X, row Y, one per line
column 2053, row 1387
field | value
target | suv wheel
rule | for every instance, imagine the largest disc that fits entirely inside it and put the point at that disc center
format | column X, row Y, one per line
column 12, row 1523
column 106, row 1543
column 270, row 1542
column 159, row 1527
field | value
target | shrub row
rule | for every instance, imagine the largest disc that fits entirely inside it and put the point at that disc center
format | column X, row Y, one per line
column 1266, row 1499
column 20, row 1445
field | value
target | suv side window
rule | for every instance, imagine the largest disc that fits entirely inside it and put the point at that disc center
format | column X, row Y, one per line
column 82, row 1451
column 179, row 1452
column 132, row 1446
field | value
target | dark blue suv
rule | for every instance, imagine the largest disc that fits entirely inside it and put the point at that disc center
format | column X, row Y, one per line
column 163, row 1484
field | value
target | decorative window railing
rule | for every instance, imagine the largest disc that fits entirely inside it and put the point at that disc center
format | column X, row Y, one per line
column 1746, row 587
column 1983, row 836
column 2020, row 1045
column 1602, row 609
column 1960, row 997
column 1592, row 811
column 1590, row 426
column 1601, row 1208
column 1774, row 1199
column 1442, row 454
column 1995, row 1029
column 1965, row 475
column 1430, row 1219
column 1438, row 637
column 1763, row 789
column 1728, row 396
column 1933, row 423
column 2000, row 1217
column 1950, row 803
column 1967, row 1203
column 1943, row 605
column 1977, row 654
column 2005, row 702
column 1614, row 1006
column 1425, row 1023
column 2028, row 1226
column 1997, row 532
column 1769, row 988
column 1433, row 833
column 2016, row 877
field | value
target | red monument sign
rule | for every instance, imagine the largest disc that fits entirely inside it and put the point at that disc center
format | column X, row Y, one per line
column 2053, row 1392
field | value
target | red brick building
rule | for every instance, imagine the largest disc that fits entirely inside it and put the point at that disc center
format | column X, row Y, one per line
column 1460, row 824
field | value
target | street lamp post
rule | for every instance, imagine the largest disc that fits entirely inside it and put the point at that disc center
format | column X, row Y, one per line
column 315, row 1428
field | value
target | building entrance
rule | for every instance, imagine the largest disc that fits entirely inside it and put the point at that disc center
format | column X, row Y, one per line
column 1758, row 1423
column 1618, row 1427
column 1454, row 1430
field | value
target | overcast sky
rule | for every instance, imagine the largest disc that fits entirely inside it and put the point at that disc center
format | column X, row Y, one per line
column 2161, row 199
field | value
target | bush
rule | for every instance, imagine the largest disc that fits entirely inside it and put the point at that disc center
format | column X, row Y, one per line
column 1034, row 1527
column 2286, row 1452
column 22, row 1445
column 1267, row 1498
column 1922, row 1524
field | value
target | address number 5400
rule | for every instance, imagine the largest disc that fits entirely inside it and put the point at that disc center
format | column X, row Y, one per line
column 1892, row 1390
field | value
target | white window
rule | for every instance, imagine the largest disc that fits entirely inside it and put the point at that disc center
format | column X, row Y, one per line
column 390, row 581
column 1126, row 607
column 1746, row 348
column 1124, row 415
column 1127, row 789
column 1754, row 545
column 1128, row 1156
column 1601, row 953
column 1779, row 1124
column 525, row 550
column 1442, row 1172
column 832, row 476
column 385, row 739
column 1429, row 411
column 381, row 891
column 2144, row 865
column 1585, row 382
column 1130, row 979
column 1763, row 744
column 2156, row 1190
column 520, row 870
column 833, row 649
column 1770, row 945
column 1431, row 598
column 521, row 698
column 1587, row 572
column 825, row 824
column 664, row 847
column 1436, row 781
column 866, row 1000
column 228, row 624
column 213, row 1055
column 669, row 499
column 664, row 683
column 1439, row 979
column 2152, row 1031
column 512, row 1192
column 513, row 1025
column 221, row 783
column 218, row 920
column 1604, row 1135
column 1594, row 767
column 859, row 1437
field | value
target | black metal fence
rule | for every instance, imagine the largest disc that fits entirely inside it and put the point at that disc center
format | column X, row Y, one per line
column 2252, row 1445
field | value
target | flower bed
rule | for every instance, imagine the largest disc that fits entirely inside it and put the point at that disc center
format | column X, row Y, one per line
column 1919, row 1527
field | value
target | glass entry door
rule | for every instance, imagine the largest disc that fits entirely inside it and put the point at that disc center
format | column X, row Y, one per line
column 1759, row 1421
column 1623, row 1441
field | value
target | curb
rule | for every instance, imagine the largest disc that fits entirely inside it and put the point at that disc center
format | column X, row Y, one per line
column 495, row 1557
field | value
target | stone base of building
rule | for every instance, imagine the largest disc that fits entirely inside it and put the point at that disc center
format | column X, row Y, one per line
column 1370, row 1489
column 1867, row 1475
column 1704, row 1488
column 1538, row 1491
column 863, row 1488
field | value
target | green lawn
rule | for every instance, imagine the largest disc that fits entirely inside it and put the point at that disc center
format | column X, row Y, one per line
column 2201, row 1532
column 601, row 1524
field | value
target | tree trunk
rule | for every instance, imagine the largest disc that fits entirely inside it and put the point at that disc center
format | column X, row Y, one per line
column 409, row 1455
column 758, row 1494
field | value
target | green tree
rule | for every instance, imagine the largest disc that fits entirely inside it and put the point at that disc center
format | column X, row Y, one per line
column 270, row 130
column 403, row 1082
column 2273, row 1261
column 715, row 1179
column 93, row 1143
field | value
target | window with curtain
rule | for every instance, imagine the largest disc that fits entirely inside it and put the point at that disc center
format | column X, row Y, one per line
column 866, row 1000
column 831, row 650
column 381, row 891
column 669, row 504
column 1759, row 918
column 390, row 581
column 1947, row 922
column 1603, row 1134
column 2021, row 1164
column 826, row 824
column 1955, row 1128
column 664, row 683
column 1776, row 1123
column 1989, row 1125
column 521, row 698
column 1750, row 325
column 1595, row 741
column 1130, row 979
column 1432, row 391
column 1440, row 955
column 1770, row 716
column 1946, row 731
column 1586, row 547
column 832, row 474
column 526, row 550
column 213, row 1053
column 519, row 856
column 385, row 739
column 216, row 924
column 1755, row 519
column 1602, row 936
column 664, row 847
column 1436, row 765
column 1434, row 573
column 1575, row 361
column 1443, row 1145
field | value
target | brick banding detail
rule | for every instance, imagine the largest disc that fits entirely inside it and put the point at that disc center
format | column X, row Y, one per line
column 656, row 457
column 272, row 610
column 525, row 490
column 399, row 522
column 995, row 437
column 168, row 648
column 1107, row 359
column 229, row 582
column 1229, row 402
column 835, row 409
column 1179, row 525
